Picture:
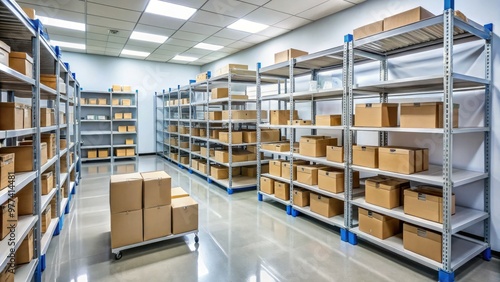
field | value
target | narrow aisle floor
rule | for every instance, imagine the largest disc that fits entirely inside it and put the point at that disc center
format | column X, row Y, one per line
column 241, row 239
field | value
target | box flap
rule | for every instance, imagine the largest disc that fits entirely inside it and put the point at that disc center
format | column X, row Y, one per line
column 312, row 139
column 422, row 232
column 395, row 151
column 6, row 158
column 21, row 55
column 154, row 175
column 47, row 175
column 125, row 177
column 331, row 172
column 365, row 148
column 380, row 183
column 335, row 148
column 183, row 202
column 374, row 215
column 309, row 168
column 4, row 46
column 425, row 193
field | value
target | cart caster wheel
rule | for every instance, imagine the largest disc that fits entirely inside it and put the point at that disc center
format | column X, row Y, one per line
column 196, row 239
column 118, row 256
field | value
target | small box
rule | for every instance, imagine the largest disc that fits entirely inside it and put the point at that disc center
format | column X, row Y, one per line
column 130, row 152
column 285, row 169
column 126, row 102
column 24, row 253
column 195, row 131
column 22, row 63
column 287, row 55
column 24, row 156
column 8, row 217
column 194, row 164
column 315, row 146
column 103, row 153
column 335, row 154
column 202, row 76
column 91, row 154
column 215, row 115
column 242, row 115
column 125, row 192
column 202, row 166
column 185, row 160
column 120, row 152
column 219, row 172
column 385, row 192
column 203, row 152
column 4, row 53
column 12, row 116
column 275, row 167
column 377, row 225
column 366, row 156
column 156, row 188
column 47, row 182
column 225, row 69
column 116, row 88
column 329, row 120
column 301, row 197
column 277, row 147
column 27, row 122
column 267, row 185
column 281, row 117
column 332, row 180
column 127, row 115
column 172, row 128
column 126, row 228
column 237, row 137
column 83, row 101
column 250, row 171
column 184, row 145
column 178, row 192
column 377, row 115
column 368, row 30
column 422, row 241
column 130, row 128
column 219, row 93
column 129, row 141
column 122, row 128
column 398, row 160
column 92, row 101
column 425, row 115
column 325, row 206
column 405, row 18
column 308, row 174
column 184, row 215
column 282, row 190
column 31, row 13
column 267, row 135
column 157, row 222
column 426, row 202
column 102, row 101
column 46, row 218
column 7, row 165
column 115, row 102
column 91, row 117
column 299, row 122
column 195, row 148
column 126, row 88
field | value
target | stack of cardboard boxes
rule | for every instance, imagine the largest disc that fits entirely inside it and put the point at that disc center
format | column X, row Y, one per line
column 121, row 88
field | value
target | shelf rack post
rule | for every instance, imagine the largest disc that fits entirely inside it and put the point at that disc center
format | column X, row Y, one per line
column 156, row 121
column 230, row 109
column 291, row 77
column 169, row 119
column 259, row 130
column 179, row 117
column 79, row 129
column 190, row 124
column 384, row 76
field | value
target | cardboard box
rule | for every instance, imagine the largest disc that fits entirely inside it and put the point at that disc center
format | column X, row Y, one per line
column 24, row 156
column 185, row 160
column 378, row 225
column 219, row 172
column 47, row 182
column 237, row 137
column 178, row 192
column 267, row 185
column 268, row 135
column 282, row 190
column 31, row 13
column 366, row 156
column 7, row 165
column 384, row 192
column 184, row 215
column 7, row 275
column 299, row 122
column 21, row 62
column 8, row 217
column 202, row 76
column 126, row 102
column 285, row 169
column 184, row 145
column 122, row 128
column 83, row 101
column 277, row 147
column 156, row 189
column 202, row 166
column 4, row 53
column 219, row 93
column 376, row 115
column 102, row 101
column 46, row 218
column 275, row 167
column 25, row 203
column 126, row 228
column 214, row 115
column 157, row 222
column 195, row 131
column 329, row 120
column 405, row 18
column 12, row 116
column 425, row 115
column 92, row 101
column 172, row 128
column 308, row 174
column 195, row 148
column 287, row 55
column 426, row 202
column 194, row 164
column 174, row 156
column 203, row 152
column 281, row 117
column 129, row 141
column 127, row 115
column 222, row 156
column 27, row 122
column 91, row 154
column 243, row 114
column 50, row 139
column 335, row 154
column 332, row 180
column 397, row 160
column 325, row 206
column 126, row 88
column 368, row 30
column 250, row 171
column 116, row 88
column 115, row 102
column 225, row 69
column 131, row 128
column 315, row 146
column 422, row 241
column 24, row 253
column 102, row 153
column 125, row 193
column 301, row 197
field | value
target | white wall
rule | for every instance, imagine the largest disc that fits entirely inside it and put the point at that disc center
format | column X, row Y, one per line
column 96, row 72
column 329, row 32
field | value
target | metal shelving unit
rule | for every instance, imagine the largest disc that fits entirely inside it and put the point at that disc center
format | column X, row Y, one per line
column 103, row 134
column 25, row 35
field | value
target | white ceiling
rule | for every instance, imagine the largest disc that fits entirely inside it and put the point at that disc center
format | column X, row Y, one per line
column 208, row 24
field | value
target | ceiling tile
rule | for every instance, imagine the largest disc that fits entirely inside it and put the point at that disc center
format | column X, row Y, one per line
column 96, row 48
column 232, row 34
column 255, row 38
column 229, row 7
column 216, row 56
column 113, row 52
column 62, row 15
column 158, row 58
column 96, row 36
column 97, row 43
column 105, row 31
column 199, row 52
column 53, row 7
column 200, row 28
column 189, row 36
column 240, row 45
column 160, row 21
column 173, row 48
column 132, row 57
column 166, row 53
column 266, row 16
column 141, row 48
column 154, row 30
column 188, row 3
column 66, row 32
column 273, row 31
column 67, row 39
column 218, row 41
column 204, row 17
column 180, row 42
column 110, row 23
column 136, row 5
column 293, row 7
column 292, row 23
column 115, row 45
column 355, row 1
column 229, row 50
column 325, row 9
column 112, row 12
column 256, row 2
column 96, row 52
column 145, row 44
column 117, row 39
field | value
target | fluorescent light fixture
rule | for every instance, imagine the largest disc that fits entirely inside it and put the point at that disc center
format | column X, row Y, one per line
column 135, row 53
column 169, row 10
column 62, row 23
column 184, row 58
column 148, row 37
column 67, row 44
column 207, row 46
column 248, row 26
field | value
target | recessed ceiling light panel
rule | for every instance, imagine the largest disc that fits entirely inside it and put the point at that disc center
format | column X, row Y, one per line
column 62, row 23
column 148, row 37
column 248, row 26
column 68, row 45
column 184, row 58
column 207, row 46
column 135, row 53
column 169, row 10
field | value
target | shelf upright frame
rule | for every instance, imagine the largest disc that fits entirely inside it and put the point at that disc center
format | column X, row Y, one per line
column 230, row 111
column 291, row 77
column 347, row 112
column 207, row 100
column 487, row 144
column 259, row 130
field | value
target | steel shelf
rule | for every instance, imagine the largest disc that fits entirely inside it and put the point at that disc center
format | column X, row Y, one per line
column 24, row 225
column 462, row 130
column 22, row 179
column 49, row 128
column 122, row 93
column 233, row 145
column 25, row 272
column 240, row 164
column 339, row 196
column 64, row 203
column 433, row 176
column 126, row 157
column 96, row 147
column 48, row 164
column 16, row 133
column 124, row 120
column 62, row 179
column 47, row 198
column 96, row 132
column 198, row 154
column 125, row 107
column 317, row 127
column 63, row 152
column 276, row 199
column 95, row 106
column 95, row 159
column 283, row 154
column 320, row 160
column 125, row 146
column 47, row 236
column 239, row 182
column 321, row 94
column 86, row 120
column 122, row 133
column 337, row 220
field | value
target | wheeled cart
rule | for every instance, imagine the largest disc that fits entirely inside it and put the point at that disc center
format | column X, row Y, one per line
column 118, row 251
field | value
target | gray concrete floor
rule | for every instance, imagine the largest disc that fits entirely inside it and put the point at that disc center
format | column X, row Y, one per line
column 241, row 239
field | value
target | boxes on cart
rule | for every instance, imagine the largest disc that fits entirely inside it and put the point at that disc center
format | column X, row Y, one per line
column 156, row 189
column 184, row 215
column 125, row 193
column 157, row 222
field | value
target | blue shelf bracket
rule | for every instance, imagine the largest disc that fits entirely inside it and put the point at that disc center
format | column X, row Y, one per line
column 352, row 238
column 230, row 191
column 289, row 210
column 43, row 263
column 344, row 235
column 348, row 38
column 295, row 212
column 446, row 276
column 449, row 4
column 260, row 197
column 487, row 254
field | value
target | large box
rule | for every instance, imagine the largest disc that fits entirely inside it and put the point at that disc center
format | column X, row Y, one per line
column 46, row 218
column 25, row 203
column 21, row 62
column 4, row 53
column 8, row 217
column 184, row 215
column 225, row 69
column 269, row 135
column 102, row 101
column 282, row 190
column 275, row 167
column 214, row 115
column 202, row 77
column 308, row 174
column 328, row 120
column 277, row 147
column 377, row 115
column 315, row 146
column 7, row 165
column 126, row 102
column 46, row 117
column 102, row 153
column 156, row 189
column 325, row 206
column 237, row 137
column 285, row 169
column 281, row 117
column 126, row 228
column 405, row 18
column 47, row 182
column 267, row 185
column 125, row 193
column 425, row 115
column 24, row 156
column 222, row 156
column 286, row 55
column 399, row 160
column 219, row 172
column 12, row 116
column 332, row 180
column 157, row 222
column 378, row 225
column 366, row 156
column 301, row 197
column 368, row 30
column 384, row 192
column 178, row 192
column 426, row 202
column 335, row 154
column 422, row 241
column 219, row 93
column 24, row 253
column 91, row 154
